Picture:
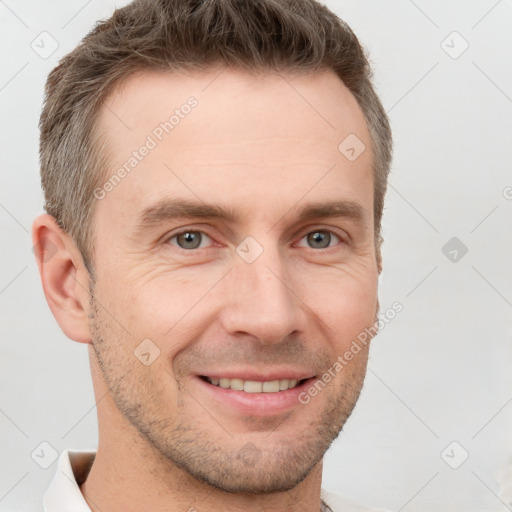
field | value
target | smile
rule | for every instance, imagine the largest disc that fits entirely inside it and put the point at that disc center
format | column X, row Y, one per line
column 251, row 386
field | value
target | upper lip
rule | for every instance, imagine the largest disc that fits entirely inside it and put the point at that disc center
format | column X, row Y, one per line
column 259, row 375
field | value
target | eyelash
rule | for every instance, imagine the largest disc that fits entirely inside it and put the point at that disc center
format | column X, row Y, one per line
column 321, row 230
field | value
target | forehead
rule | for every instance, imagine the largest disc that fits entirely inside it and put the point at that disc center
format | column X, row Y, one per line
column 263, row 104
column 216, row 132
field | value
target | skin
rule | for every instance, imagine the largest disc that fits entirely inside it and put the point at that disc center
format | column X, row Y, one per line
column 265, row 147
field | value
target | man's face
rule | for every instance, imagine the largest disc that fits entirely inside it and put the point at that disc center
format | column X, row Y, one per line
column 267, row 293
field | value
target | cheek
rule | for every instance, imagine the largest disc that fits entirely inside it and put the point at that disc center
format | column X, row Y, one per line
column 345, row 304
column 165, row 307
column 162, row 304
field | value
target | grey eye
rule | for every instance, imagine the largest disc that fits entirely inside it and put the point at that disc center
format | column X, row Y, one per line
column 188, row 239
column 319, row 239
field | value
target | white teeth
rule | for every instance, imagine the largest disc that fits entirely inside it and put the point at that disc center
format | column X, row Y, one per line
column 251, row 386
column 271, row 387
column 237, row 384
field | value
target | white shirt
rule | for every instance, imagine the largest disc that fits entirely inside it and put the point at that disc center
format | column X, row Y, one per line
column 64, row 493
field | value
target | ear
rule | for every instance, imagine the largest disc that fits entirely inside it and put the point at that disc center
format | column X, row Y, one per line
column 64, row 277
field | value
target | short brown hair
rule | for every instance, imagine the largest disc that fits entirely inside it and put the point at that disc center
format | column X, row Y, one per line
column 301, row 36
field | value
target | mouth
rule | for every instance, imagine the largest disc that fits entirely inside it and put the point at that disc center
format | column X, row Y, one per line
column 254, row 395
column 254, row 386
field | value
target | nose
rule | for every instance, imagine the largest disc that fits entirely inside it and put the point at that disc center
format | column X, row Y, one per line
column 261, row 301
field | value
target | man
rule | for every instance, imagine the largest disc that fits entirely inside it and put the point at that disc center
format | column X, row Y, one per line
column 214, row 175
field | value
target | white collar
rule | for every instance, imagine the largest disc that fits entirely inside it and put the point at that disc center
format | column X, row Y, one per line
column 64, row 493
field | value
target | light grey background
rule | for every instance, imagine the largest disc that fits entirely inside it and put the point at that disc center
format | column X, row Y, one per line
column 439, row 372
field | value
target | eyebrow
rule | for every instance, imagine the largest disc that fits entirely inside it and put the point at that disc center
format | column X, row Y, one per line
column 348, row 209
column 169, row 209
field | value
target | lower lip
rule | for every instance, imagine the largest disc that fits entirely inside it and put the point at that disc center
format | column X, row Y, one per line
column 256, row 404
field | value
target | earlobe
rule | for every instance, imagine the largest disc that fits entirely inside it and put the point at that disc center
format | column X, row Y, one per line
column 64, row 277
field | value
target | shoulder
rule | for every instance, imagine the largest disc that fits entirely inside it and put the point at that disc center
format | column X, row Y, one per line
column 340, row 504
